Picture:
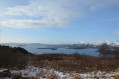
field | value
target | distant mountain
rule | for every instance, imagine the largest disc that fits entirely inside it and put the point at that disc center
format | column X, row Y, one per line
column 98, row 43
column 77, row 45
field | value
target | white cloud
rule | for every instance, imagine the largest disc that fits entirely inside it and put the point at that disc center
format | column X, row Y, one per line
column 31, row 23
column 55, row 13
column 117, row 32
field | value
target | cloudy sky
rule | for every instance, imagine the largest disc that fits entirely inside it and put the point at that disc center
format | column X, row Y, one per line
column 58, row 21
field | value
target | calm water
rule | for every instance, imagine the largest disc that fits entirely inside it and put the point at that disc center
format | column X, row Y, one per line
column 34, row 49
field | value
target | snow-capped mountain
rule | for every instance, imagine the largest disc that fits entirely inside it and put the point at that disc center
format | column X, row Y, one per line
column 98, row 43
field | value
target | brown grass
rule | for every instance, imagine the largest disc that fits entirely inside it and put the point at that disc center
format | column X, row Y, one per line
column 77, row 63
column 42, row 73
column 77, row 78
column 53, row 76
column 116, row 77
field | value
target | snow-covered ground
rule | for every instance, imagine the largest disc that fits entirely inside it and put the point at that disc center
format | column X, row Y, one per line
column 44, row 73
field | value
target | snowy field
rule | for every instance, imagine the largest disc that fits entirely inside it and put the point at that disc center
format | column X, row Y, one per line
column 45, row 73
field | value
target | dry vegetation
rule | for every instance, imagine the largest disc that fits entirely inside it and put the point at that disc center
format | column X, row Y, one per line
column 116, row 77
column 77, row 63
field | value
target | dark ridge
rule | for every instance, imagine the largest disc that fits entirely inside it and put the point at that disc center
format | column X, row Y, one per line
column 14, row 50
column 13, row 57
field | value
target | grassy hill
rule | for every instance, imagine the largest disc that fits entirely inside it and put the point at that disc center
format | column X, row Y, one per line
column 11, row 57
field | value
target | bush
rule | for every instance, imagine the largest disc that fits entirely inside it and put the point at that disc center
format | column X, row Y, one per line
column 116, row 77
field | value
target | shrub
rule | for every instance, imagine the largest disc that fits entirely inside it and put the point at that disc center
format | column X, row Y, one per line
column 53, row 76
column 116, row 77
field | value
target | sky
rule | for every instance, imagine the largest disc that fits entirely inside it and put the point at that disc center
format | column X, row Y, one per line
column 58, row 21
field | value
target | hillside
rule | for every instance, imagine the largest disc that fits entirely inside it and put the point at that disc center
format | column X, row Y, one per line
column 11, row 57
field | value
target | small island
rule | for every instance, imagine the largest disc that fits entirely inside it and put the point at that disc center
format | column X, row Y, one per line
column 48, row 48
